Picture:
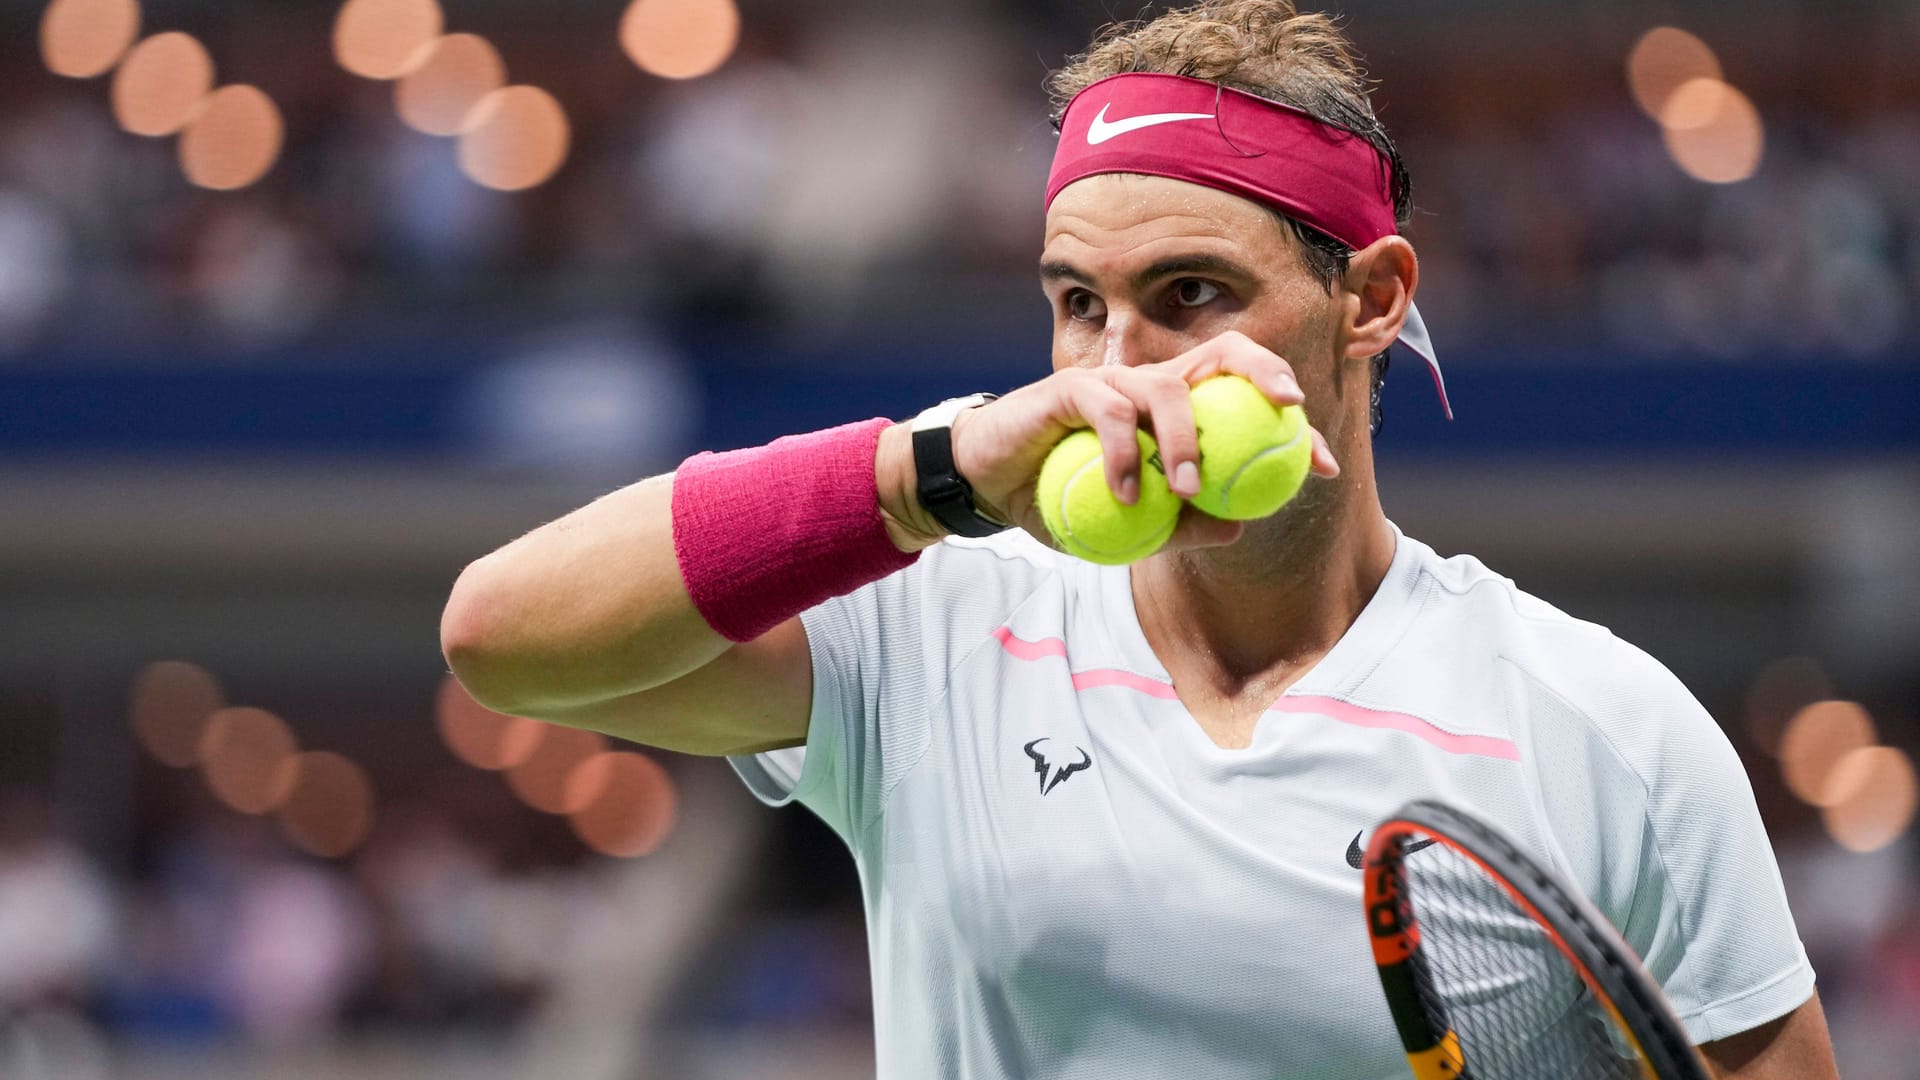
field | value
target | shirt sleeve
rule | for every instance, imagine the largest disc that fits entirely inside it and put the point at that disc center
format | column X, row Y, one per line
column 880, row 659
column 869, row 713
column 1708, row 913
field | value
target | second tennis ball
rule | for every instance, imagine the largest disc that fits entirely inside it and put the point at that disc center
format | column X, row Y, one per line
column 1254, row 455
column 1082, row 513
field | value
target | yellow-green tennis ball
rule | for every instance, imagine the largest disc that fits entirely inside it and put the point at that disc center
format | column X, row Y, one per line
column 1082, row 513
column 1253, row 454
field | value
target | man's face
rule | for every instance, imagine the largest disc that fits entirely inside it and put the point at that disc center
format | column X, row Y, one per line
column 1139, row 269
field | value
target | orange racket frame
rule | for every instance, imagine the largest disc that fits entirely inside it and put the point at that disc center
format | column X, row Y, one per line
column 1591, row 946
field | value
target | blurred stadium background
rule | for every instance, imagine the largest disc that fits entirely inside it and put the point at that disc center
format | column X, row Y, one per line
column 304, row 305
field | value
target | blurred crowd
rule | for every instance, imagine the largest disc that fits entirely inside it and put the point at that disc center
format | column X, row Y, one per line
column 466, row 914
column 1860, row 922
column 463, row 917
column 892, row 170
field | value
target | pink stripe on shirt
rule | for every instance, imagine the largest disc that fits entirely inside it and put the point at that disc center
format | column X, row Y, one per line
column 1087, row 680
column 1022, row 649
column 1344, row 712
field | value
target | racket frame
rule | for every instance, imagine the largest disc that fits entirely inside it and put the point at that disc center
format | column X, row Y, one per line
column 1591, row 945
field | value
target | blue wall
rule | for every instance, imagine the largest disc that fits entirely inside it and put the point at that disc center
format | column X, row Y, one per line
column 407, row 405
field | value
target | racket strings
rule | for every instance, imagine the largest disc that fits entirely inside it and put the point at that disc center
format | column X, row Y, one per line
column 1517, row 1005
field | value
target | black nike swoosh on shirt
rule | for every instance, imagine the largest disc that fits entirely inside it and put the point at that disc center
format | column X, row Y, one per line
column 1356, row 856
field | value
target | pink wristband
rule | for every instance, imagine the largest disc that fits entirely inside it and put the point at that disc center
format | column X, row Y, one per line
column 765, row 533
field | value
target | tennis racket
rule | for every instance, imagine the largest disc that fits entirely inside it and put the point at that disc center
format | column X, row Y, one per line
column 1496, row 969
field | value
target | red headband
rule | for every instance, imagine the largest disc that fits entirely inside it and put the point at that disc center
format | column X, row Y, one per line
column 1203, row 133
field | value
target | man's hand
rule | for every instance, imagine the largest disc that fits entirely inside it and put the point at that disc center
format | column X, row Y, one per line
column 999, row 447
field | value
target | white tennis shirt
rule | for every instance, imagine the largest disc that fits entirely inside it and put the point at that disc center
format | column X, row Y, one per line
column 1066, row 879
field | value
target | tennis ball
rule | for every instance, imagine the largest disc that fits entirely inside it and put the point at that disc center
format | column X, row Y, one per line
column 1253, row 454
column 1082, row 513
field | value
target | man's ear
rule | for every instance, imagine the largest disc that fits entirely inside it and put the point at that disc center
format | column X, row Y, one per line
column 1376, row 290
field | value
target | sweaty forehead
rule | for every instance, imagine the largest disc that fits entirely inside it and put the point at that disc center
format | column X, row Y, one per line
column 1111, row 214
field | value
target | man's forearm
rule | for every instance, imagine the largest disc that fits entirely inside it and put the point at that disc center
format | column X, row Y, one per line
column 1794, row 1047
column 585, row 608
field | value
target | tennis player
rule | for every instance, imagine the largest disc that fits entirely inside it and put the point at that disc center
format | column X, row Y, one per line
column 1108, row 819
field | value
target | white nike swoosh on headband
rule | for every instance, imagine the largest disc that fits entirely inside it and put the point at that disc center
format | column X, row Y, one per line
column 1100, row 131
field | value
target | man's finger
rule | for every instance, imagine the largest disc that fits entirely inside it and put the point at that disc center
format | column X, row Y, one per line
column 1165, row 399
column 1116, row 420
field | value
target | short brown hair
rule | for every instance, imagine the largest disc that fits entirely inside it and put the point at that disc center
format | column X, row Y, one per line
column 1264, row 47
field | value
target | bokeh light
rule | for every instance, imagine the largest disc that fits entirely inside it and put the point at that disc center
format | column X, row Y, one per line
column 1695, row 104
column 1781, row 689
column 626, row 803
column 515, row 138
column 329, row 809
column 1815, row 740
column 385, row 39
column 84, row 38
column 1877, row 796
column 437, row 97
column 680, row 39
column 170, row 705
column 161, row 84
column 1725, row 147
column 541, row 780
column 1664, row 58
column 587, row 781
column 234, row 140
column 246, row 755
column 479, row 736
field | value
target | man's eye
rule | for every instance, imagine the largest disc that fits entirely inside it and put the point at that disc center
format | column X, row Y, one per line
column 1193, row 292
column 1082, row 304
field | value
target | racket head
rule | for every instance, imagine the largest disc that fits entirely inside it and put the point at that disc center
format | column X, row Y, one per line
column 1485, row 900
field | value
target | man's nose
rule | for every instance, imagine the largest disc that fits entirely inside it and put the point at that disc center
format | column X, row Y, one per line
column 1129, row 340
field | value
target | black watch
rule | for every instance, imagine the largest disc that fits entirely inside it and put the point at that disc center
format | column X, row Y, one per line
column 943, row 491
